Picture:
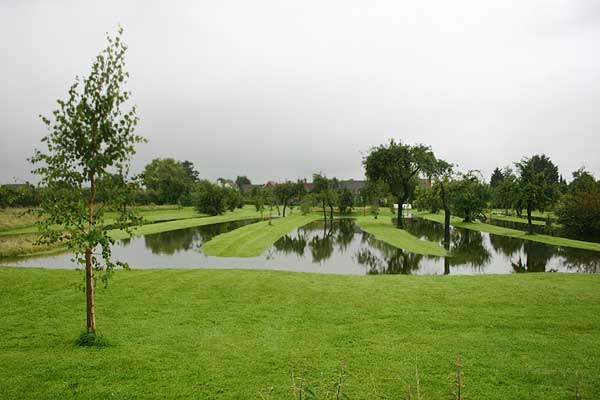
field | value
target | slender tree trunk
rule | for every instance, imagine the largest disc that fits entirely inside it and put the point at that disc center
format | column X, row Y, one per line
column 529, row 223
column 447, row 228
column 284, row 206
column 324, row 211
column 400, row 222
column 331, row 213
column 446, row 265
column 89, row 280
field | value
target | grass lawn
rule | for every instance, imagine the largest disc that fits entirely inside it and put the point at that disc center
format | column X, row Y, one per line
column 183, row 217
column 514, row 218
column 228, row 334
column 19, row 222
column 252, row 240
column 383, row 229
column 498, row 230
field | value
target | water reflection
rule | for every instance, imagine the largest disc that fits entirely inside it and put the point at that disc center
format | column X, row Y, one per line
column 342, row 248
column 172, row 242
column 479, row 250
column 544, row 230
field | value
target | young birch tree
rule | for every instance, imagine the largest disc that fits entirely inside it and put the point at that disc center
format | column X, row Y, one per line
column 90, row 137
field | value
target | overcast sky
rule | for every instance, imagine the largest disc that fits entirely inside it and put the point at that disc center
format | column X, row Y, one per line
column 281, row 89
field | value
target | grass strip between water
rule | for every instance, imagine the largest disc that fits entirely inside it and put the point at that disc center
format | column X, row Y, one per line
column 383, row 229
column 252, row 240
column 515, row 233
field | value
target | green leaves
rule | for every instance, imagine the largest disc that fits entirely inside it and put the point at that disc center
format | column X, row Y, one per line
column 91, row 138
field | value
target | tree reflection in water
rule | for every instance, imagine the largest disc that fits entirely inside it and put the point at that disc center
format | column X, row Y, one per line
column 468, row 248
column 506, row 245
column 390, row 260
column 586, row 261
column 171, row 242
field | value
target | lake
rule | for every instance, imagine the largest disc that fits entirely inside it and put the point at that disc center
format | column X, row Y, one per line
column 343, row 248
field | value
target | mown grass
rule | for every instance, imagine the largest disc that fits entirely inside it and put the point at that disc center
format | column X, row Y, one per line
column 227, row 334
column 383, row 229
column 498, row 230
column 252, row 240
column 23, row 244
column 22, row 222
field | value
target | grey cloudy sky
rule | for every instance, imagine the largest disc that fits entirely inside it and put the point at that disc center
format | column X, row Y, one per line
column 281, row 89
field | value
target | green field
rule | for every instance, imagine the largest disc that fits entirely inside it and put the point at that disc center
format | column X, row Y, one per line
column 227, row 334
column 498, row 230
column 252, row 240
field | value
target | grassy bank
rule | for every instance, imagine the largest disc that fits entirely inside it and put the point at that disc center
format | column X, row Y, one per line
column 179, row 218
column 383, row 229
column 498, row 230
column 252, row 240
column 20, row 222
column 226, row 334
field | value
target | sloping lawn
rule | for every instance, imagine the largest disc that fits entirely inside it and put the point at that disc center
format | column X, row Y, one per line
column 383, row 229
column 227, row 334
column 252, row 240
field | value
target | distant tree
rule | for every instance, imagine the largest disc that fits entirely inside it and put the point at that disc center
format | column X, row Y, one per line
column 538, row 184
column 285, row 192
column 269, row 199
column 233, row 198
column 116, row 189
column 469, row 196
column 346, row 201
column 375, row 207
column 306, row 203
column 210, row 198
column 325, row 192
column 240, row 181
column 190, row 171
column 166, row 180
column 444, row 184
column 505, row 194
column 258, row 198
column 579, row 210
column 371, row 193
column 582, row 181
column 496, row 178
column 224, row 182
column 425, row 198
column 90, row 136
column 398, row 166
column 20, row 195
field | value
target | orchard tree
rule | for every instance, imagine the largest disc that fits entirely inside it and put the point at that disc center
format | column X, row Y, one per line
column 346, row 200
column 505, row 192
column 166, row 180
column 210, row 198
column 579, row 209
column 285, row 192
column 469, row 196
column 91, row 135
column 538, row 184
column 324, row 189
column 442, row 190
column 399, row 166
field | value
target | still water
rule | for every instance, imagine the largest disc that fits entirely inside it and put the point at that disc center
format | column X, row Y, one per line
column 342, row 248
